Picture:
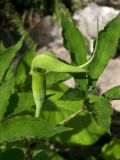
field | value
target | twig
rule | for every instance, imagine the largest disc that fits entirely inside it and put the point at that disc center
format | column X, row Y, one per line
column 29, row 149
column 71, row 117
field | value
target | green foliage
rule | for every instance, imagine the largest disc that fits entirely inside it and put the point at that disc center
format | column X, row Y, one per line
column 111, row 150
column 5, row 91
column 76, row 46
column 64, row 116
column 23, row 67
column 113, row 93
column 27, row 127
column 74, row 42
column 6, row 57
column 102, row 111
column 47, row 155
column 107, row 43
column 85, row 132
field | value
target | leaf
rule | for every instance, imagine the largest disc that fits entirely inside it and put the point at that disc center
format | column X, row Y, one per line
column 107, row 44
column 81, row 81
column 5, row 93
column 73, row 40
column 23, row 67
column 26, row 102
column 2, row 47
column 11, row 154
column 102, row 111
column 111, row 150
column 53, row 78
column 113, row 93
column 27, row 127
column 85, row 131
column 21, row 103
column 55, row 110
column 76, row 46
column 93, row 98
column 73, row 95
column 6, row 57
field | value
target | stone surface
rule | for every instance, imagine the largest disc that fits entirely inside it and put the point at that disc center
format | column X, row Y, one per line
column 86, row 19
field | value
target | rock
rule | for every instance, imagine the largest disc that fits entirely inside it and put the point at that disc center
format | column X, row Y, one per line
column 86, row 19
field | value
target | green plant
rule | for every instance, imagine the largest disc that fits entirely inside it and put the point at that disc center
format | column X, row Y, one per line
column 81, row 112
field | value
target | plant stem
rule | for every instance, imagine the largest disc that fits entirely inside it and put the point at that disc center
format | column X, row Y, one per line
column 29, row 149
column 71, row 117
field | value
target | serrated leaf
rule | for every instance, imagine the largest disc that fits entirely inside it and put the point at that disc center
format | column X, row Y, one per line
column 73, row 40
column 56, row 110
column 111, row 150
column 27, row 127
column 5, row 92
column 85, row 131
column 113, row 93
column 26, row 101
column 107, row 44
column 23, row 67
column 102, row 111
column 93, row 98
column 6, row 57
column 76, row 46
column 21, row 103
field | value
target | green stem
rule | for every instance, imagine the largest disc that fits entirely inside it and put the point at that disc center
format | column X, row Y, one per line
column 72, row 116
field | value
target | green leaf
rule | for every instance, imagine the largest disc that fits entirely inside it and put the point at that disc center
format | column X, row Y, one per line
column 2, row 47
column 21, row 103
column 111, row 150
column 81, row 81
column 14, row 153
column 23, row 67
column 5, row 93
column 53, row 78
column 27, row 127
column 92, row 98
column 73, row 95
column 113, row 93
column 26, row 102
column 6, row 57
column 85, row 131
column 56, row 110
column 76, row 46
column 74, row 42
column 102, row 111
column 107, row 44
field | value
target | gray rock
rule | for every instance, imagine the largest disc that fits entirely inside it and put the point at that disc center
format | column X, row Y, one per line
column 86, row 19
